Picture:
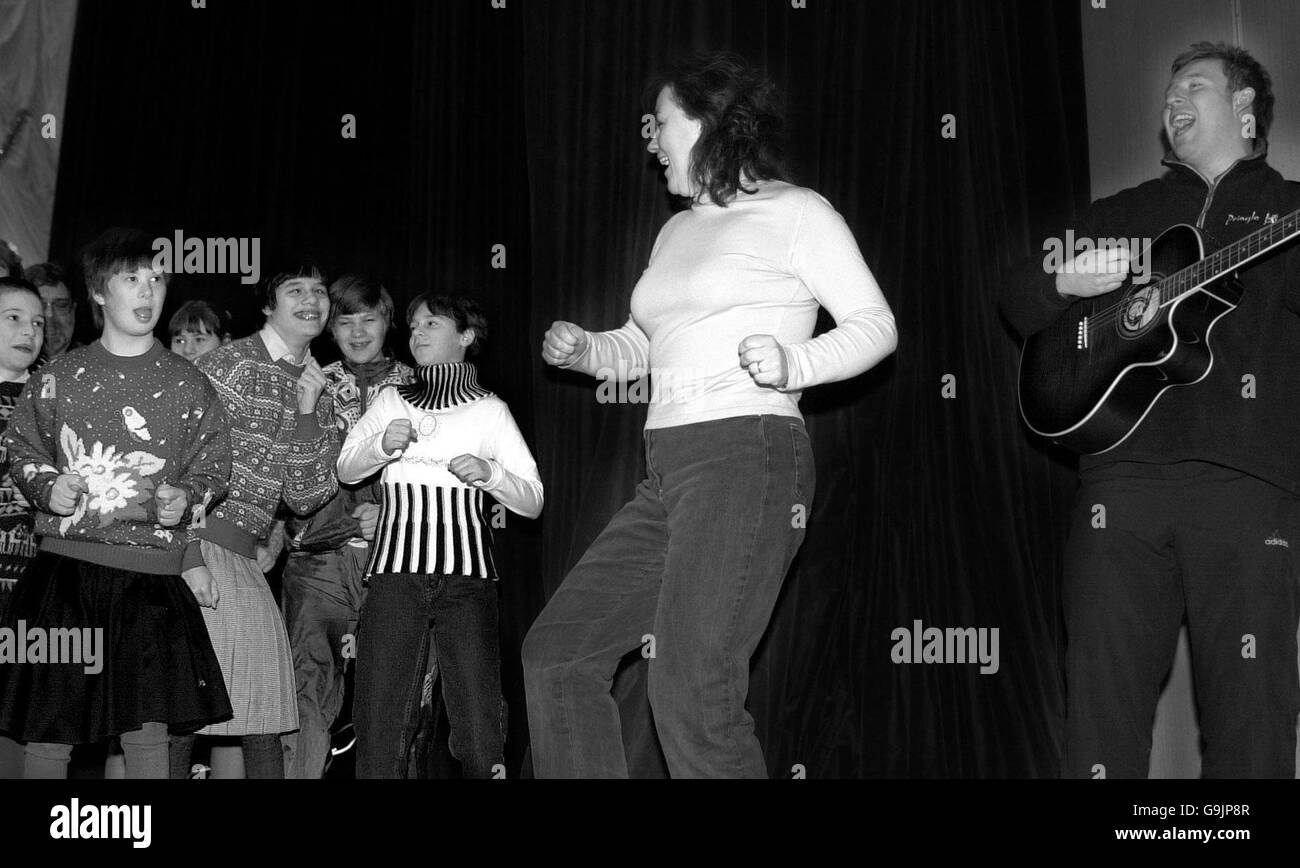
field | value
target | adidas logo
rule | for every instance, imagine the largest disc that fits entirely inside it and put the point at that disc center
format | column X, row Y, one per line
column 1276, row 540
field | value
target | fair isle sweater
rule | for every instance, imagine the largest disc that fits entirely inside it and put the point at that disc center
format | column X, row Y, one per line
column 276, row 453
column 430, row 521
column 126, row 425
column 762, row 265
column 354, row 388
column 17, row 542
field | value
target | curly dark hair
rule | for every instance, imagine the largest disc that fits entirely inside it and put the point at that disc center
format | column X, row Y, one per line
column 741, row 116
column 1242, row 71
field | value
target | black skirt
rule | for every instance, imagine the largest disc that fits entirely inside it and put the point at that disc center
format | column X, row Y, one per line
column 144, row 655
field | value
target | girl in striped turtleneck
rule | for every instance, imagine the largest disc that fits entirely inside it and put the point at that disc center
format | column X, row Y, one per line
column 442, row 442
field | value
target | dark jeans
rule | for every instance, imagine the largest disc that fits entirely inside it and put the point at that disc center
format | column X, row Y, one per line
column 321, row 600
column 1182, row 540
column 406, row 617
column 689, row 570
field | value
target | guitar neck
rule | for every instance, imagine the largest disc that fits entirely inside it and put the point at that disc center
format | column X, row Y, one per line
column 1235, row 255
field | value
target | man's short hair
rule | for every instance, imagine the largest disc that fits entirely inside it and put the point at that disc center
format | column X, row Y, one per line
column 464, row 312
column 47, row 274
column 114, row 251
column 1242, row 71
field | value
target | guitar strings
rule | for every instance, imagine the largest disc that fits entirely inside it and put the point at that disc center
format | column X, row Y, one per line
column 1188, row 275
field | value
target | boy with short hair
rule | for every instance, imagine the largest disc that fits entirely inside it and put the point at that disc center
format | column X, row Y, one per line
column 322, row 582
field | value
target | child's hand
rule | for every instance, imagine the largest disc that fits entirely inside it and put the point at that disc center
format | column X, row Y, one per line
column 204, row 586
column 265, row 560
column 310, row 384
column 398, row 435
column 171, row 503
column 367, row 515
column 470, row 469
column 65, row 493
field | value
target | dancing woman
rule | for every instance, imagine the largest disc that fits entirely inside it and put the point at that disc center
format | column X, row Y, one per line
column 723, row 318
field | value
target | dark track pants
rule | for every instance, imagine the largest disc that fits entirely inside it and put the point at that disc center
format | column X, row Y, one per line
column 1190, row 540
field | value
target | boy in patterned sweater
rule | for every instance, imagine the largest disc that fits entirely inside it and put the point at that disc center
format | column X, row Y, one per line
column 323, row 590
column 119, row 446
column 283, row 448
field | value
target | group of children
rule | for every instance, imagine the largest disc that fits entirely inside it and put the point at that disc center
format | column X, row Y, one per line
column 139, row 497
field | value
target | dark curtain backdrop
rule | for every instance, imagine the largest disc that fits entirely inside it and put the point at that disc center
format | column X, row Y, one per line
column 521, row 127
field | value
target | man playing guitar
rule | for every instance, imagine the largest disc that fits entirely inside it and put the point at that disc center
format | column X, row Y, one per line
column 1196, row 514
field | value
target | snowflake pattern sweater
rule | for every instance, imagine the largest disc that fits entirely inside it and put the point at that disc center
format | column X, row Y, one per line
column 276, row 453
column 126, row 425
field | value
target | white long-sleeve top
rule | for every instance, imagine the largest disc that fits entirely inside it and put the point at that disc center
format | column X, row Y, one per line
column 430, row 521
column 761, row 265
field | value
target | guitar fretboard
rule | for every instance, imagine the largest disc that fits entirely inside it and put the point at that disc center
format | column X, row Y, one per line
column 1233, row 255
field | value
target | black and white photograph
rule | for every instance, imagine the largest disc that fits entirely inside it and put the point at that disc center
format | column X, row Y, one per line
column 902, row 393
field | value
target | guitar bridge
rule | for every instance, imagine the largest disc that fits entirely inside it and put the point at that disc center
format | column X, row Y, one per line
column 1081, row 335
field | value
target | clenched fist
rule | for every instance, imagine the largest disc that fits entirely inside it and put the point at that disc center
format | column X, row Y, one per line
column 563, row 342
column 65, row 493
column 171, row 503
column 764, row 358
column 398, row 435
column 470, row 469
column 367, row 515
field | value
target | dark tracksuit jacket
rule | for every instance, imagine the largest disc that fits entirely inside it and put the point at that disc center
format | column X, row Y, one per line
column 1202, row 516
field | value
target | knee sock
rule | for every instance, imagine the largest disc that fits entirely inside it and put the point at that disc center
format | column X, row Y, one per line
column 263, row 756
column 11, row 759
column 181, row 752
column 146, row 751
column 45, row 761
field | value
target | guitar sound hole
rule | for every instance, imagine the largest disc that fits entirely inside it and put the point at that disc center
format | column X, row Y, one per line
column 1139, row 311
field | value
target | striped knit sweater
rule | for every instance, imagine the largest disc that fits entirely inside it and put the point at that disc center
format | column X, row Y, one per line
column 430, row 521
column 276, row 453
